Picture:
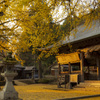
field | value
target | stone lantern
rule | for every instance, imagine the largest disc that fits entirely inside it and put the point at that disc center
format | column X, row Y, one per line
column 9, row 92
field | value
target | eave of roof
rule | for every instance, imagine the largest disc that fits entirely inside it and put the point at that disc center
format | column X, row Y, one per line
column 83, row 32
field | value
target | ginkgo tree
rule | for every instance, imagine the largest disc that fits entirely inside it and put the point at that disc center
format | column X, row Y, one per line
column 26, row 24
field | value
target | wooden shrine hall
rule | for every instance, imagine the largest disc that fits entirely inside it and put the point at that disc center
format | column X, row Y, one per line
column 81, row 61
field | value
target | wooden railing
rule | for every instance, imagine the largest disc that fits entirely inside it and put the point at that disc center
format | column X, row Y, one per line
column 76, row 72
column 72, row 72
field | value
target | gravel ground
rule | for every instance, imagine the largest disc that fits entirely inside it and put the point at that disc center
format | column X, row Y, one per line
column 50, row 92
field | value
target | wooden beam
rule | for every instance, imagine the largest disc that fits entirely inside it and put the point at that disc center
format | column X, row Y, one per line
column 98, row 68
column 82, row 66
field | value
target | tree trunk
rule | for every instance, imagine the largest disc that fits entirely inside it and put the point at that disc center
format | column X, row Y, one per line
column 34, row 68
column 40, row 69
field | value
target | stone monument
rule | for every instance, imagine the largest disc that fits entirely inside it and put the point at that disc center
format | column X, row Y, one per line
column 9, row 92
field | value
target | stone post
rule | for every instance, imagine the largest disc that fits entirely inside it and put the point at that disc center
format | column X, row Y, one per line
column 8, row 92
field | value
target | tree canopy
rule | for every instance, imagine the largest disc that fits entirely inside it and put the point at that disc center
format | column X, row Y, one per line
column 26, row 24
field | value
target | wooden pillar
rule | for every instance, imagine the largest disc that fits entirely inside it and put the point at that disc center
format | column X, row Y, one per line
column 98, row 68
column 82, row 66
column 88, row 72
column 59, row 73
column 88, row 69
column 59, row 68
column 69, row 67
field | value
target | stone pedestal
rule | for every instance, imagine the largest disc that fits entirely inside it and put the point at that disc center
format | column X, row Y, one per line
column 9, row 92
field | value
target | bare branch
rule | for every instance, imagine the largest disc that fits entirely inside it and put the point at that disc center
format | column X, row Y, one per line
column 2, row 23
column 3, row 47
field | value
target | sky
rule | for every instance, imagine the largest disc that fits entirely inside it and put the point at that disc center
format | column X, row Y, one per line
column 60, row 14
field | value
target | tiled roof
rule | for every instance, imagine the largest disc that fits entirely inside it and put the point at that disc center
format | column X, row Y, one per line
column 29, row 67
column 82, row 33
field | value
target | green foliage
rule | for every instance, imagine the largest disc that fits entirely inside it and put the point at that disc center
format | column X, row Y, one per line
column 46, row 80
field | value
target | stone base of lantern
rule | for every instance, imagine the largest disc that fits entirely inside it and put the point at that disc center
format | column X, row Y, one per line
column 8, row 96
column 9, row 92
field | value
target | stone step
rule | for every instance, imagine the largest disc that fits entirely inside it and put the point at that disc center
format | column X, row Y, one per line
column 91, row 81
column 89, row 84
column 23, row 82
column 19, row 83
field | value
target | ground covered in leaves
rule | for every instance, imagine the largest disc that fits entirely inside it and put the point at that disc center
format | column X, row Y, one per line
column 51, row 92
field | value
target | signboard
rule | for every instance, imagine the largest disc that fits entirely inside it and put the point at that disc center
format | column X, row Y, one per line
column 74, row 78
column 66, row 58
